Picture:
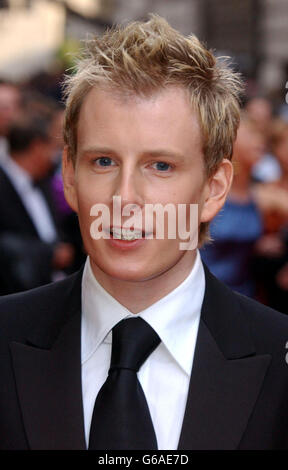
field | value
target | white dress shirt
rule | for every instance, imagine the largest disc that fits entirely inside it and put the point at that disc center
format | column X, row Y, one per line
column 32, row 199
column 165, row 375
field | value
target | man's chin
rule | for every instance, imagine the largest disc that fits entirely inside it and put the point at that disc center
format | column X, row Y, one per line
column 132, row 273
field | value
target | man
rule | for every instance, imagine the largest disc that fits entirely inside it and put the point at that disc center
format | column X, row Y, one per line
column 31, row 250
column 151, row 119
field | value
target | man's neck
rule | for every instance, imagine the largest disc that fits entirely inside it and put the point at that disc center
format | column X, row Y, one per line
column 137, row 296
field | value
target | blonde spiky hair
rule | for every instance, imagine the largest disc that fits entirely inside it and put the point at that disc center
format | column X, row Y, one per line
column 144, row 57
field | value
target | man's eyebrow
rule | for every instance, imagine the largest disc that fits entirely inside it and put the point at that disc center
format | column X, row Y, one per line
column 151, row 153
column 164, row 153
column 91, row 150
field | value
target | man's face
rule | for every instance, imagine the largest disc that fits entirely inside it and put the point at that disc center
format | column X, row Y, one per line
column 148, row 151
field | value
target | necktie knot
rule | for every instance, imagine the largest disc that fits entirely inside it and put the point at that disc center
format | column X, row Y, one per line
column 133, row 340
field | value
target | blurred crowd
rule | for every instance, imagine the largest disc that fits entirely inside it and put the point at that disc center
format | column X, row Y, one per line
column 249, row 237
column 39, row 235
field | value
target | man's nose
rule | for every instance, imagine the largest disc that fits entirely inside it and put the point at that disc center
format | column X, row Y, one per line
column 129, row 187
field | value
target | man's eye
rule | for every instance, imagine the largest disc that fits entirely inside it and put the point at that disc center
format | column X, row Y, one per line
column 161, row 166
column 104, row 161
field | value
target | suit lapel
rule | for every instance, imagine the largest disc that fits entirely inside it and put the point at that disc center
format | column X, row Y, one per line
column 221, row 396
column 226, row 377
column 48, row 381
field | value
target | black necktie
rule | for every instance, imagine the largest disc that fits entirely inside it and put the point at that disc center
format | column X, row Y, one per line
column 121, row 419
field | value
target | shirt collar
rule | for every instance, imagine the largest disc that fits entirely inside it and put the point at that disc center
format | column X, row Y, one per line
column 175, row 317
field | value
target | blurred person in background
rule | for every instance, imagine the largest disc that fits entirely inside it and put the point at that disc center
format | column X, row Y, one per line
column 10, row 108
column 32, row 251
column 260, row 110
column 67, row 217
column 272, row 248
column 35, row 103
column 238, row 226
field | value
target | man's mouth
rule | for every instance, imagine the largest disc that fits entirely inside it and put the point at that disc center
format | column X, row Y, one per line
column 126, row 233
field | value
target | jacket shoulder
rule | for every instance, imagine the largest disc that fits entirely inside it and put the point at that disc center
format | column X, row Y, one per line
column 269, row 327
column 21, row 312
column 242, row 324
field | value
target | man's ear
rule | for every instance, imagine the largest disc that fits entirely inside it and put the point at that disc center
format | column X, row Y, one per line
column 216, row 190
column 68, row 175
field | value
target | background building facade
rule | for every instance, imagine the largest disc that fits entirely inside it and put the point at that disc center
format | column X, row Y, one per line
column 36, row 34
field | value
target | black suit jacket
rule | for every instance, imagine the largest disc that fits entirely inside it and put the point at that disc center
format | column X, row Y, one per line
column 13, row 214
column 24, row 258
column 238, row 389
